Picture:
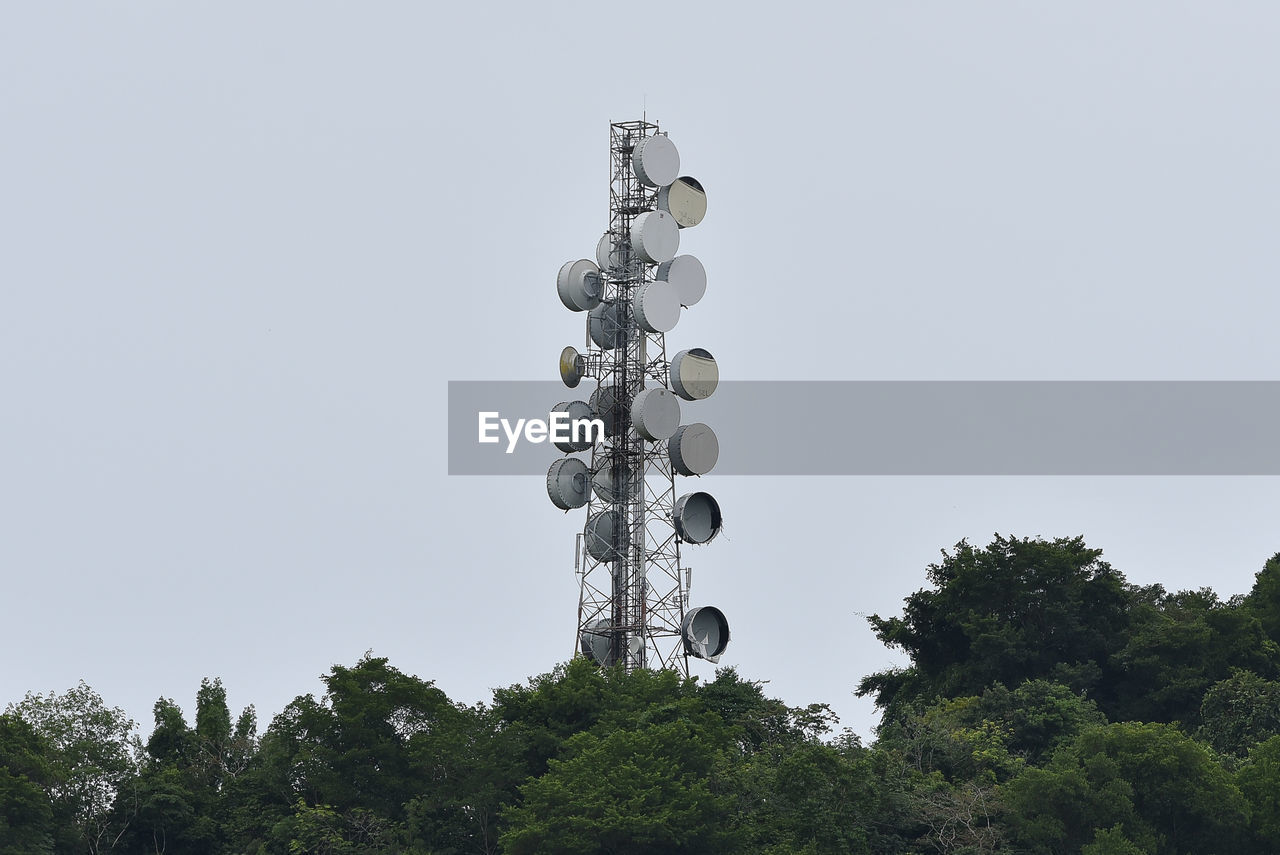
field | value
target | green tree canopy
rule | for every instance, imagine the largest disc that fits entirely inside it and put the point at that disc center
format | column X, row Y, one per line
column 1161, row 787
column 1177, row 646
column 1264, row 600
column 635, row 791
column 1240, row 712
column 1259, row 780
column 93, row 754
column 26, row 812
column 1020, row 609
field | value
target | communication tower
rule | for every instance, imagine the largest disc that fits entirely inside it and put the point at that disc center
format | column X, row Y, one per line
column 633, row 606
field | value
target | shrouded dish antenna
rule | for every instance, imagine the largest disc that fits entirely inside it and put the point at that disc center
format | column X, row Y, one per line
column 694, row 374
column 685, row 200
column 608, row 254
column 687, row 276
column 578, row 411
column 656, row 306
column 615, row 483
column 608, row 408
column 656, row 161
column 655, row 413
column 572, row 367
column 693, row 449
column 706, row 633
column 596, row 642
column 579, row 285
column 697, row 517
column 601, row 536
column 655, row 237
column 604, row 324
column 568, row 483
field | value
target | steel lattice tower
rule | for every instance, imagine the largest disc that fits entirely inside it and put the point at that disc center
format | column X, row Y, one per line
column 634, row 591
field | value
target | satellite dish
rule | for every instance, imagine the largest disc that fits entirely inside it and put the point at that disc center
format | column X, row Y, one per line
column 655, row 161
column 604, row 324
column 578, row 411
column 579, row 285
column 615, row 484
column 635, row 644
column 608, row 254
column 607, row 407
column 687, row 275
column 601, row 536
column 655, row 237
column 706, row 633
column 697, row 517
column 656, row 306
column 596, row 642
column 685, row 200
column 693, row 449
column 572, row 366
column 568, row 483
column 655, row 413
column 694, row 374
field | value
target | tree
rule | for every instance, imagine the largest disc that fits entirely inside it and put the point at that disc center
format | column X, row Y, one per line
column 635, row 791
column 1038, row 716
column 1264, row 600
column 93, row 757
column 812, row 797
column 26, row 813
column 469, row 768
column 578, row 697
column 348, row 752
column 1112, row 841
column 1239, row 713
column 1177, row 647
column 171, row 742
column 212, row 731
column 1163, row 788
column 178, row 788
column 1259, row 780
column 1018, row 610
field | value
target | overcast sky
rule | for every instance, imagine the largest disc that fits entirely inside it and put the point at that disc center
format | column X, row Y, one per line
column 244, row 246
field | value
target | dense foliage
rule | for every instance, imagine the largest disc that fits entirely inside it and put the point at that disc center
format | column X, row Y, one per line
column 1048, row 707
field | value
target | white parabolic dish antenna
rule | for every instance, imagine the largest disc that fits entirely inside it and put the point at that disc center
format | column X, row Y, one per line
column 578, row 411
column 694, row 449
column 685, row 200
column 568, row 483
column 596, row 640
column 694, row 374
column 655, row 413
column 601, row 536
column 687, row 275
column 615, row 484
column 655, row 236
column 604, row 403
column 608, row 256
column 579, row 285
column 706, row 633
column 604, row 324
column 656, row 306
column 697, row 517
column 656, row 161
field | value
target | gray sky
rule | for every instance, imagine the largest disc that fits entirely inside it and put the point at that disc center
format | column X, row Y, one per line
column 243, row 247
